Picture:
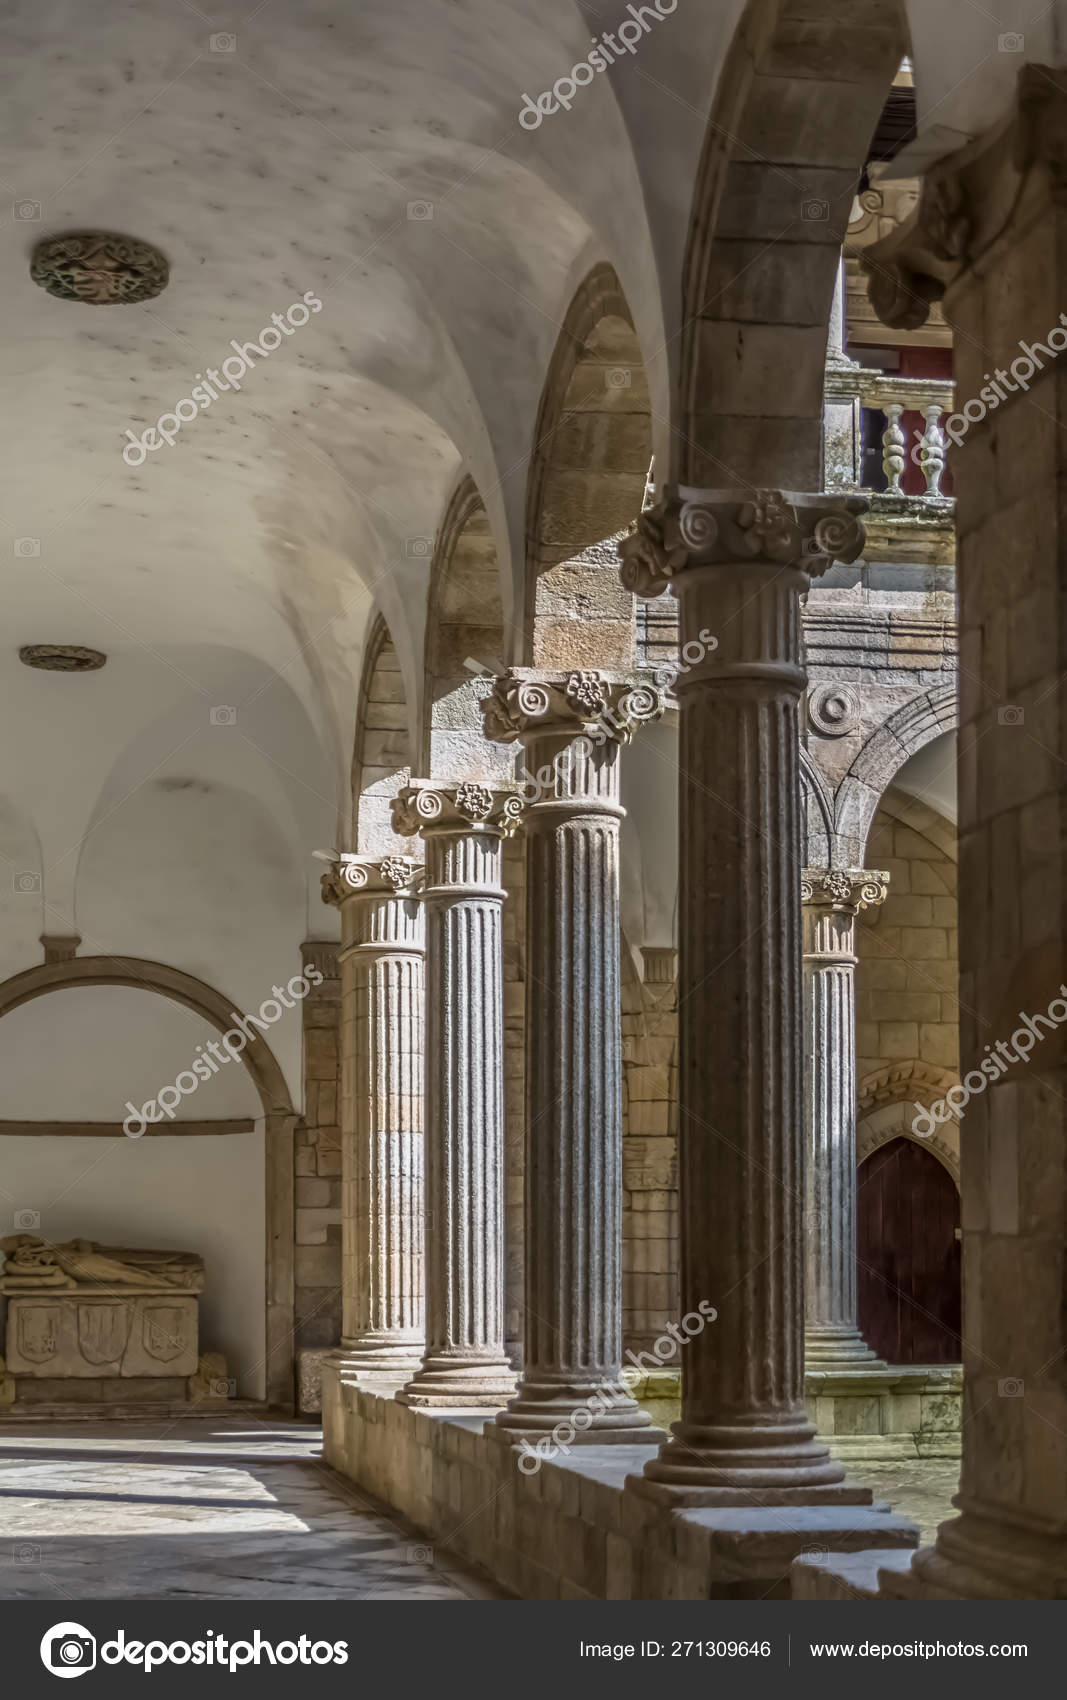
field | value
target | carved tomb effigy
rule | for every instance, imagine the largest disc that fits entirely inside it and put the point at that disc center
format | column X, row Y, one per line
column 81, row 1312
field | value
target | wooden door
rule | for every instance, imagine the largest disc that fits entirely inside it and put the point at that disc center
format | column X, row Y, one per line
column 909, row 1256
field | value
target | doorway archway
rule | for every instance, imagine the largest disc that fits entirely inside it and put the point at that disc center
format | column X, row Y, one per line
column 908, row 1221
column 280, row 1119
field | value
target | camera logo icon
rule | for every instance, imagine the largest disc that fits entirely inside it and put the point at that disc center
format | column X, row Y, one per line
column 26, row 547
column 224, row 42
column 815, row 212
column 1011, row 42
column 68, row 1649
column 26, row 209
column 418, row 548
column 1012, row 715
column 223, row 715
column 420, row 210
column 617, row 378
column 27, row 1221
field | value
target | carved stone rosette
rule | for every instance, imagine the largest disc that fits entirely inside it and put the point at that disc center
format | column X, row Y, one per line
column 832, row 899
column 573, row 726
column 737, row 562
column 382, row 998
column 463, row 828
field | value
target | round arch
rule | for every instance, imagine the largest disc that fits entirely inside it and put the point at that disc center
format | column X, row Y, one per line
column 782, row 158
column 465, row 644
column 589, row 465
column 917, row 723
column 280, row 1117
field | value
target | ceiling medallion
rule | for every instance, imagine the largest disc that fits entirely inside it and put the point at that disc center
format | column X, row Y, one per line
column 99, row 268
column 62, row 657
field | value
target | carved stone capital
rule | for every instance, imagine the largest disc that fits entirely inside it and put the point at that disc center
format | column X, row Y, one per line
column 527, row 704
column 693, row 528
column 362, row 876
column 426, row 807
column 970, row 198
column 847, row 891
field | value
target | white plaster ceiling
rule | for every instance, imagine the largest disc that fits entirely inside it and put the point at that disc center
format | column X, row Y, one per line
column 248, row 557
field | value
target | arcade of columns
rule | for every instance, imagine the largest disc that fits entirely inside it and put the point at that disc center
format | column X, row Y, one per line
column 760, row 938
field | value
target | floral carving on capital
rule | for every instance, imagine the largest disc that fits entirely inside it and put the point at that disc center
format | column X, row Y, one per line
column 424, row 806
column 693, row 528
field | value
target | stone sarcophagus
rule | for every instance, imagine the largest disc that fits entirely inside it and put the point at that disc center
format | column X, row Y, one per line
column 119, row 1323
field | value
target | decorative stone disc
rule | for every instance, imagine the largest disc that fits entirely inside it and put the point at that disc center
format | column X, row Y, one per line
column 62, row 657
column 99, row 268
column 833, row 709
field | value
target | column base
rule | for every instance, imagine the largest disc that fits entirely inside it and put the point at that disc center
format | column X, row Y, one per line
column 978, row 1559
column 829, row 1348
column 539, row 1408
column 460, row 1383
column 376, row 1358
column 783, row 1465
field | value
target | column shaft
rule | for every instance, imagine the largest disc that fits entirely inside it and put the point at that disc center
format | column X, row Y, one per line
column 734, row 564
column 381, row 1111
column 573, row 1274
column 832, row 900
column 465, row 1362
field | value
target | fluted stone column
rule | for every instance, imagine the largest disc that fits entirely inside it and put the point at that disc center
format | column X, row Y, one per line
column 737, row 565
column 463, row 827
column 832, row 899
column 572, row 726
column 381, row 1116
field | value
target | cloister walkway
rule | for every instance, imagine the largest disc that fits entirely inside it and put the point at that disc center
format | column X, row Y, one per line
column 200, row 1509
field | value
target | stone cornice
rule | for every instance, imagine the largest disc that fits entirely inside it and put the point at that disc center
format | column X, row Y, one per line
column 694, row 528
column 363, row 876
column 845, row 890
column 969, row 199
column 426, row 806
column 527, row 703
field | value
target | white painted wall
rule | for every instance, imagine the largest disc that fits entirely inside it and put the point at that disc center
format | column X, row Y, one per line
column 184, row 1194
column 80, row 1054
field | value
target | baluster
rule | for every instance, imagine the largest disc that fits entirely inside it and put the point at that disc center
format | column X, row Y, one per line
column 893, row 457
column 932, row 449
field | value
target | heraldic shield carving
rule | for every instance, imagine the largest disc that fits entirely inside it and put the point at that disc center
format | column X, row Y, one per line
column 38, row 1333
column 103, row 1330
column 164, row 1332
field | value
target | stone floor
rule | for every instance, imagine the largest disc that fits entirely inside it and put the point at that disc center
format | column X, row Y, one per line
column 201, row 1509
column 919, row 1488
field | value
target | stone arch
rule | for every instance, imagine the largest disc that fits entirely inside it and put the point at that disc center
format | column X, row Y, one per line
column 382, row 757
column 916, row 723
column 787, row 140
column 465, row 643
column 280, row 1118
column 818, row 814
column 588, row 472
column 890, row 1118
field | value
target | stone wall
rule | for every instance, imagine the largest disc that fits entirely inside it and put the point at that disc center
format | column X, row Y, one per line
column 573, row 1530
column 650, row 1148
column 907, row 1007
column 317, row 1159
